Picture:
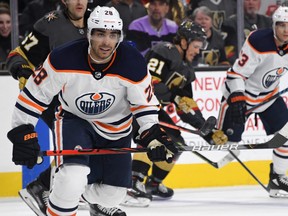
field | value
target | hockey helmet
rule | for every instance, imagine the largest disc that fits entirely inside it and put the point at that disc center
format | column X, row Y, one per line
column 104, row 18
column 280, row 15
column 191, row 31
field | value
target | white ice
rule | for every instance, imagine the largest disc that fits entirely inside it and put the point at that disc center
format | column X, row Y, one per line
column 224, row 201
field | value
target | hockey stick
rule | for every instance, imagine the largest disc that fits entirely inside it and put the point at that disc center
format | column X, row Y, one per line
column 222, row 162
column 249, row 171
column 277, row 141
column 219, row 164
column 273, row 143
column 266, row 101
column 209, row 125
column 205, row 130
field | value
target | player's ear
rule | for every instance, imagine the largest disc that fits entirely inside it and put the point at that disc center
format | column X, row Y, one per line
column 184, row 44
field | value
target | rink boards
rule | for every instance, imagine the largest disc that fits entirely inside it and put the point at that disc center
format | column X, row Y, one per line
column 189, row 172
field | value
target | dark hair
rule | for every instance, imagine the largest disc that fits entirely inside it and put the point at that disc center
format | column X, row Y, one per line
column 4, row 8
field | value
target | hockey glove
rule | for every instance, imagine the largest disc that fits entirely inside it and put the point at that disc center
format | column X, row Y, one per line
column 219, row 138
column 186, row 104
column 23, row 73
column 216, row 137
column 25, row 145
column 160, row 146
column 237, row 106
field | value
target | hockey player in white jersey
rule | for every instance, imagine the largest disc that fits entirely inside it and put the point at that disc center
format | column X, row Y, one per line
column 254, row 77
column 102, row 83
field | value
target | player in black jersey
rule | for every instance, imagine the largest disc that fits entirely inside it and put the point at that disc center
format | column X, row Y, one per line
column 172, row 75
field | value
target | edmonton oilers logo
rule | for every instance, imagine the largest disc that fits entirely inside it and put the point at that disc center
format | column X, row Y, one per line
column 94, row 103
column 272, row 76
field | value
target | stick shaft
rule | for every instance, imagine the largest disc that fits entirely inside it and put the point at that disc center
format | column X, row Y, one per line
column 176, row 127
column 277, row 141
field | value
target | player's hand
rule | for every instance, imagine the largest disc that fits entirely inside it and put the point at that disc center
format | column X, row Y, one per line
column 25, row 145
column 237, row 106
column 219, row 137
column 160, row 146
column 24, row 71
column 186, row 104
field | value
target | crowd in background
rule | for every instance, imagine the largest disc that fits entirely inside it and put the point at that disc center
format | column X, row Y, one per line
column 218, row 18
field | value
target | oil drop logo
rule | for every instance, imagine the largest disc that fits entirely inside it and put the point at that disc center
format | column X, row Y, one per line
column 94, row 103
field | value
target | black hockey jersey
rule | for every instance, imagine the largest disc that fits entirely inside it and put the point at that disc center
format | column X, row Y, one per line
column 170, row 73
column 52, row 30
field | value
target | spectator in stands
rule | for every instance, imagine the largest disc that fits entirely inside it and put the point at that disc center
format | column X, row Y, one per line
column 176, row 11
column 21, row 4
column 221, row 9
column 5, row 32
column 129, row 10
column 33, row 11
column 153, row 28
column 214, row 54
column 103, row 2
column 252, row 21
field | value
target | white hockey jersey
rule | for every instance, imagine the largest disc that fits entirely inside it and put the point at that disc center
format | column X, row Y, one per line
column 106, row 98
column 258, row 69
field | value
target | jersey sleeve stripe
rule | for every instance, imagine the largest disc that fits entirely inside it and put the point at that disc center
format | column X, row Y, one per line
column 233, row 75
column 30, row 103
column 26, row 91
column 25, row 110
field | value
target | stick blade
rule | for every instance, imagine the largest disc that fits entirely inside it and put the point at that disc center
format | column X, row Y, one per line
column 208, row 126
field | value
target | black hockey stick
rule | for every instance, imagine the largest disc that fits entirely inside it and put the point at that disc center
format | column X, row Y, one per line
column 205, row 130
column 208, row 126
column 266, row 101
column 222, row 162
column 249, row 171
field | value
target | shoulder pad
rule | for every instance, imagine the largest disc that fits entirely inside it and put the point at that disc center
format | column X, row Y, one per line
column 262, row 40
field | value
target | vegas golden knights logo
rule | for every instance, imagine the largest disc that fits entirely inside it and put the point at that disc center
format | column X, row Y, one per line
column 211, row 57
column 217, row 19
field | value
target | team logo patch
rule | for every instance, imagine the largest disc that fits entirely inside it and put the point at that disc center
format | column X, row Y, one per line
column 94, row 103
column 51, row 16
column 272, row 76
column 218, row 19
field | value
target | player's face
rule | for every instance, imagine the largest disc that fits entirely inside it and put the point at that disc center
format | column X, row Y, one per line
column 76, row 8
column 5, row 25
column 103, row 43
column 281, row 32
column 193, row 49
column 157, row 10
